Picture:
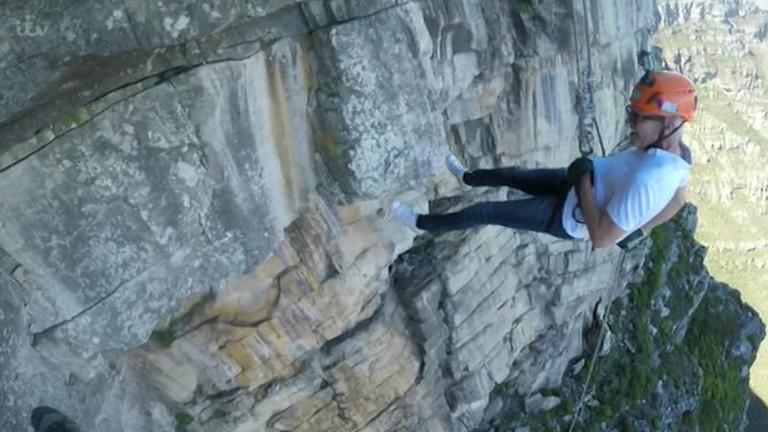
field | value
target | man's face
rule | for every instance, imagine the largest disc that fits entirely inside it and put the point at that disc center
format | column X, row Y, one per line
column 645, row 129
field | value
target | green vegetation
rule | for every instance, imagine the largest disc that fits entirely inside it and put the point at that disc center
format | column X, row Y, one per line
column 712, row 100
column 77, row 118
column 550, row 421
column 525, row 7
column 641, row 294
column 648, row 353
column 183, row 420
column 729, row 227
column 724, row 393
column 166, row 335
column 627, row 378
column 551, row 392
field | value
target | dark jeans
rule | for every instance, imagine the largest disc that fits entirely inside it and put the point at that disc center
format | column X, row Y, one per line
column 541, row 213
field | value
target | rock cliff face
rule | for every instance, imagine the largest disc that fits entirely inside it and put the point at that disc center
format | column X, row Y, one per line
column 725, row 53
column 193, row 228
column 679, row 356
column 722, row 44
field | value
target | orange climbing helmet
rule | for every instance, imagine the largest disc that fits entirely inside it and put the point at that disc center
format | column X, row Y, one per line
column 664, row 94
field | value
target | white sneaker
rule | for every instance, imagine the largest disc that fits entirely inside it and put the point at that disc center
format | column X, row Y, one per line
column 455, row 167
column 404, row 214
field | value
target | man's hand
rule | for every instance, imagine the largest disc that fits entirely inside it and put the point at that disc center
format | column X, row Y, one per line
column 602, row 230
column 578, row 169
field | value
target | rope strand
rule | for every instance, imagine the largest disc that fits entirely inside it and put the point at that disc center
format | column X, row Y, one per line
column 603, row 327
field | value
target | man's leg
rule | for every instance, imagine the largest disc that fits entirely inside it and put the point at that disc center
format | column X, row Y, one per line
column 540, row 214
column 541, row 181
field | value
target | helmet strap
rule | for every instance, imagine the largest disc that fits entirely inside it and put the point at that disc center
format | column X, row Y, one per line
column 662, row 137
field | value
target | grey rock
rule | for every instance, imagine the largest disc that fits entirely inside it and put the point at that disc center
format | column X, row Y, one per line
column 381, row 124
column 537, row 403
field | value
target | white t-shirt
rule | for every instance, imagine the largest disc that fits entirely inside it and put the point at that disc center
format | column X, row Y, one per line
column 632, row 186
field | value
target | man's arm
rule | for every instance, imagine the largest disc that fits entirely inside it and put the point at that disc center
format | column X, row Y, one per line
column 672, row 207
column 602, row 230
column 677, row 201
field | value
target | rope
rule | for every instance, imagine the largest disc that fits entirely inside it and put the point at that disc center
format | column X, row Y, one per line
column 585, row 95
column 578, row 50
column 587, row 121
column 600, row 338
column 600, row 137
column 587, row 35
